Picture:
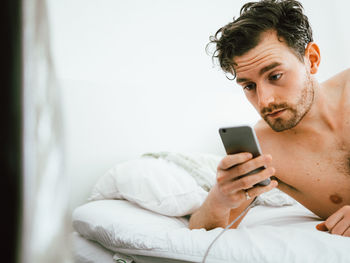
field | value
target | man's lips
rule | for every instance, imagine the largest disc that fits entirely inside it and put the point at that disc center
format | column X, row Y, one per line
column 276, row 113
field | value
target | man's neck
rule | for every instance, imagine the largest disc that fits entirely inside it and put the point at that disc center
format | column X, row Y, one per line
column 320, row 116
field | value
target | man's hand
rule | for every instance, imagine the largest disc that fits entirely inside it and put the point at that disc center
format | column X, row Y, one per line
column 231, row 188
column 338, row 223
column 230, row 195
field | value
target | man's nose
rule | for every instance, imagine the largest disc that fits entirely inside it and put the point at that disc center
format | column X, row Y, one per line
column 266, row 96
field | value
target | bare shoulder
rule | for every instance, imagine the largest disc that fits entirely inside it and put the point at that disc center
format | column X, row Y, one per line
column 262, row 129
column 340, row 80
column 264, row 134
column 269, row 140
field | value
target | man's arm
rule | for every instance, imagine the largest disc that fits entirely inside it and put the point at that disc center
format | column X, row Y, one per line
column 210, row 216
column 227, row 199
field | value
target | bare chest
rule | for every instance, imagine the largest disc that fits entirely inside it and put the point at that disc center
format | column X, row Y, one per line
column 316, row 175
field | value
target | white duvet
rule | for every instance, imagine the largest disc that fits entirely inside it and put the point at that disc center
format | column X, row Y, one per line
column 172, row 184
column 266, row 234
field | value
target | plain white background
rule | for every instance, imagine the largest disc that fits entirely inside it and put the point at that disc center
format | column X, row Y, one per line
column 134, row 77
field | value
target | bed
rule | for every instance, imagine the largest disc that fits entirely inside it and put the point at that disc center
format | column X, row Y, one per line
column 139, row 210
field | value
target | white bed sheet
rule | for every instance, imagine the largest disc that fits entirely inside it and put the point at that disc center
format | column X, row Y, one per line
column 267, row 234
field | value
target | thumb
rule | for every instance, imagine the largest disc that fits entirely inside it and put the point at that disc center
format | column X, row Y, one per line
column 322, row 227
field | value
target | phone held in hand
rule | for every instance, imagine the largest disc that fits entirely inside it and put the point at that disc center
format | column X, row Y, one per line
column 239, row 139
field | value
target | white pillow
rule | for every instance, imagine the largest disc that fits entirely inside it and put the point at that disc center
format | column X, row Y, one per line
column 154, row 184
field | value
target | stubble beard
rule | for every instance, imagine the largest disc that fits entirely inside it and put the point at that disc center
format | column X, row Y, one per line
column 296, row 111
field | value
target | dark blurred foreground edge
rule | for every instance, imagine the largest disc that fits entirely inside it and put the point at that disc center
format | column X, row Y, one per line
column 10, row 129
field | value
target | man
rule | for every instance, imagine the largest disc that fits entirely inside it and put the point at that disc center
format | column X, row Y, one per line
column 305, row 126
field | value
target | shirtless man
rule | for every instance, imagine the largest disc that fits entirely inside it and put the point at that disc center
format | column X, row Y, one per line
column 305, row 126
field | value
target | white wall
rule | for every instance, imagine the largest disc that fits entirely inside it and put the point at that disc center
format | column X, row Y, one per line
column 135, row 77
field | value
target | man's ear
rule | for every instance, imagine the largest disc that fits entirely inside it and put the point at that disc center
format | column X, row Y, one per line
column 312, row 57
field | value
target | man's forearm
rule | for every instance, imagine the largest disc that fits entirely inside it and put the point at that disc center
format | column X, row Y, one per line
column 208, row 217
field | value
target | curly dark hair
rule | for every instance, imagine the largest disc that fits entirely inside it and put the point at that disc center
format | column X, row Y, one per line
column 284, row 16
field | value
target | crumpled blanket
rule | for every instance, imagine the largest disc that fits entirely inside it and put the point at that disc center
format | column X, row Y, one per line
column 203, row 167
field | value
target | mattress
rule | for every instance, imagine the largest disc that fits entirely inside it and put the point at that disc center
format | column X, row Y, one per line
column 87, row 251
column 129, row 233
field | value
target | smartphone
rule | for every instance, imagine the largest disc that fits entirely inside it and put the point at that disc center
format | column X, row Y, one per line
column 242, row 139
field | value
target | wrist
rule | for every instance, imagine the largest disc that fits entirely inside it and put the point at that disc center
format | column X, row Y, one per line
column 216, row 206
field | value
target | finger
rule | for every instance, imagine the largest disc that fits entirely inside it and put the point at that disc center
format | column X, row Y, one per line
column 322, row 227
column 340, row 227
column 233, row 159
column 245, row 168
column 347, row 232
column 333, row 220
column 258, row 190
column 249, row 181
column 251, row 165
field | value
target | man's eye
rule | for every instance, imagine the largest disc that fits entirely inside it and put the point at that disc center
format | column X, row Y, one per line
column 249, row 87
column 276, row 76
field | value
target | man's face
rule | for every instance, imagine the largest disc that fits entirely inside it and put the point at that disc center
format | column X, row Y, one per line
column 275, row 82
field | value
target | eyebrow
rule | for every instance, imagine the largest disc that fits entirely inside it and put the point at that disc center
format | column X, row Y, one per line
column 262, row 71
